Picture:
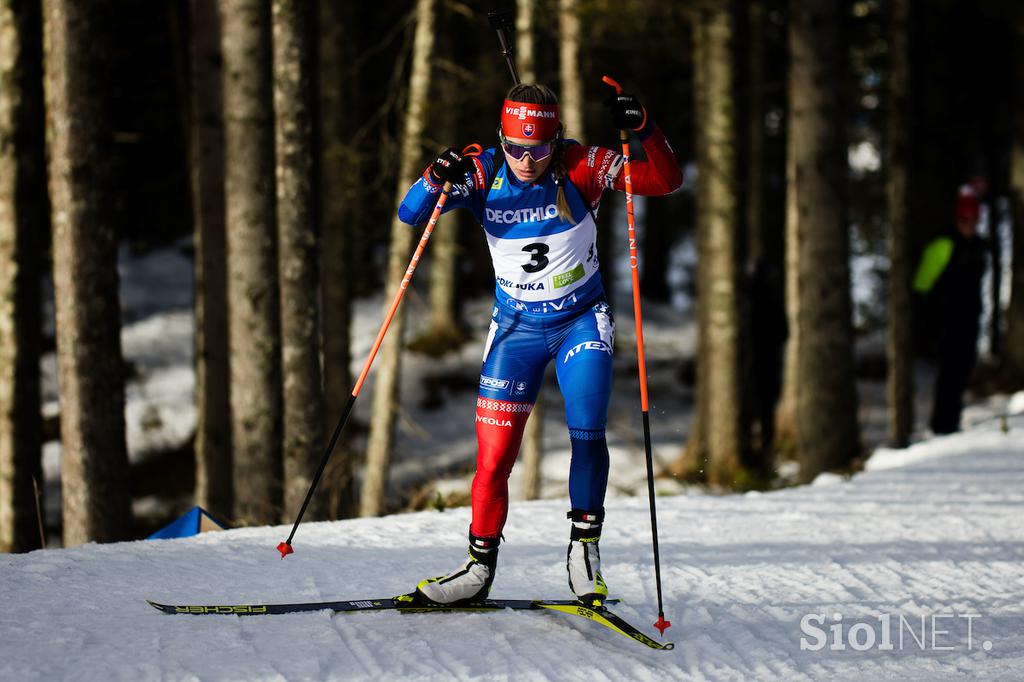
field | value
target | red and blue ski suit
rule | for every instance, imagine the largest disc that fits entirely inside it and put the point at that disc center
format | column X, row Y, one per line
column 549, row 305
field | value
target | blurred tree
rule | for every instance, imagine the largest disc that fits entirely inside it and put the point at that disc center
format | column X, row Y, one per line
column 298, row 253
column 900, row 343
column 206, row 149
column 526, row 20
column 765, row 318
column 570, row 74
column 818, row 269
column 726, row 430
column 755, row 110
column 385, row 389
column 533, row 434
column 24, row 213
column 94, row 461
column 254, row 321
column 340, row 199
column 658, row 235
column 1014, row 349
column 445, row 332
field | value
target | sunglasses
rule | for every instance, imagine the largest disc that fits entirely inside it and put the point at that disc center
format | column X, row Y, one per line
column 537, row 152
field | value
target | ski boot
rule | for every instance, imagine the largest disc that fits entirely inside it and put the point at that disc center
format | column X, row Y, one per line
column 583, row 560
column 468, row 583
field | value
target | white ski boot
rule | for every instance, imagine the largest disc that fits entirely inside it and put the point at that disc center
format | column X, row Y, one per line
column 583, row 560
column 468, row 583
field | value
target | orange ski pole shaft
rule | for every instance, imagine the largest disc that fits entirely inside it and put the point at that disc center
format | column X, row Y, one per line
column 285, row 548
column 661, row 623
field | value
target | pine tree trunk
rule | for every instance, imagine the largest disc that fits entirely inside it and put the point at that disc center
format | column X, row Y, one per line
column 298, row 251
column 341, row 187
column 827, row 433
column 533, row 434
column 1013, row 358
column 213, row 405
column 533, row 450
column 660, row 221
column 385, row 396
column 252, row 261
column 94, row 461
column 899, row 340
column 693, row 461
column 23, row 213
column 526, row 20
column 754, row 201
column 727, row 432
column 444, row 332
column 571, row 99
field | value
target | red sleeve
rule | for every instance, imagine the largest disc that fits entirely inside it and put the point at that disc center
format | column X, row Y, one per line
column 595, row 169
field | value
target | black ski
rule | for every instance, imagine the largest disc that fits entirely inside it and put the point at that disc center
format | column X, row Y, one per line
column 408, row 603
column 404, row 603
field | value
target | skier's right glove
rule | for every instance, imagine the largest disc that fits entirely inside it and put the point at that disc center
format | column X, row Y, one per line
column 449, row 166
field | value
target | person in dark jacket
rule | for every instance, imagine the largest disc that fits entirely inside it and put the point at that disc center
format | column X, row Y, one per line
column 949, row 278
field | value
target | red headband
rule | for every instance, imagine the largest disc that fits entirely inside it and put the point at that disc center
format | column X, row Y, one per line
column 529, row 121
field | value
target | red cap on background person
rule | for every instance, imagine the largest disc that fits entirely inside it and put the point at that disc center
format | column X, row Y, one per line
column 967, row 204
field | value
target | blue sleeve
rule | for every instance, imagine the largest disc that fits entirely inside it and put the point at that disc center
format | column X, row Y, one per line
column 421, row 198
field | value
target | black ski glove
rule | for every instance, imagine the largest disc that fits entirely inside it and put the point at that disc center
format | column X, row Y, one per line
column 626, row 111
column 449, row 166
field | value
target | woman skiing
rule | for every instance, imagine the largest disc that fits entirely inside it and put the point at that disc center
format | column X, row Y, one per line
column 535, row 196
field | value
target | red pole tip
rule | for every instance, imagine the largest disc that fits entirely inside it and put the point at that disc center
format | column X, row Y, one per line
column 663, row 625
column 285, row 549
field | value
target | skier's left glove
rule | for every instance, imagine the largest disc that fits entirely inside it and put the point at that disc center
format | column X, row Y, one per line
column 627, row 112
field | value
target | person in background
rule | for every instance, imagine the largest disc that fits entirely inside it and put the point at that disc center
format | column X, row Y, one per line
column 949, row 280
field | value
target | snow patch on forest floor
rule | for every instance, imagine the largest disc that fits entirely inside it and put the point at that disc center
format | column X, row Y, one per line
column 436, row 445
column 932, row 531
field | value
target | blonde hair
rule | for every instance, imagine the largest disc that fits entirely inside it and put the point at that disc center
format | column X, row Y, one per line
column 534, row 93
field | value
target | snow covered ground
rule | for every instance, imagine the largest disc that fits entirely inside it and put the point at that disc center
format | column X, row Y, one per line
column 931, row 532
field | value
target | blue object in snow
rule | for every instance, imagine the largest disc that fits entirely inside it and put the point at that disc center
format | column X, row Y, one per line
column 196, row 520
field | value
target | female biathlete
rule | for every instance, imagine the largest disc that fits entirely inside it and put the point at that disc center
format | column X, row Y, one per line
column 535, row 199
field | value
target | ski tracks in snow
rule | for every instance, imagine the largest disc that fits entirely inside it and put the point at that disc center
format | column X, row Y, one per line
column 932, row 531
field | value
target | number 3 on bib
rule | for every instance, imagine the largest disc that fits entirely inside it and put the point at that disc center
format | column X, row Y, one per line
column 538, row 260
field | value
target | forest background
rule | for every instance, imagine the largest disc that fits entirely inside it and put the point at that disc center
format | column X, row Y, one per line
column 269, row 143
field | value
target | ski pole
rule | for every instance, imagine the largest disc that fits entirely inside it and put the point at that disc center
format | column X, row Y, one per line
column 285, row 548
column 661, row 624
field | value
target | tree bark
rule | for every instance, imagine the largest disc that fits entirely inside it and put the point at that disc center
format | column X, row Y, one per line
column 298, row 251
column 23, row 213
column 899, row 341
column 533, row 434
column 1013, row 357
column 533, row 450
column 571, row 99
column 526, row 20
column 213, row 405
column 444, row 332
column 693, row 460
column 339, row 173
column 727, row 431
column 756, row 161
column 827, row 433
column 252, row 261
column 660, row 222
column 94, row 460
column 385, row 396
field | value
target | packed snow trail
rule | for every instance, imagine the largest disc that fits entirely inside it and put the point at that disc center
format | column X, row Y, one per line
column 935, row 530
